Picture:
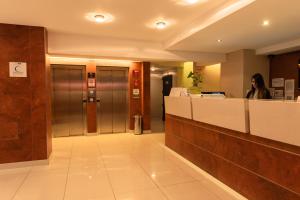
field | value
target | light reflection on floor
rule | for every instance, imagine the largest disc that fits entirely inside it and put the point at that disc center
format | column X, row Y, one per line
column 109, row 167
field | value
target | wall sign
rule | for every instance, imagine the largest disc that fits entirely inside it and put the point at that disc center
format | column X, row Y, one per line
column 278, row 94
column 136, row 84
column 290, row 89
column 17, row 69
column 278, row 82
column 136, row 93
column 91, row 80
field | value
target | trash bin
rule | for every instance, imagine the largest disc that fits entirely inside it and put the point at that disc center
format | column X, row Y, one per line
column 137, row 124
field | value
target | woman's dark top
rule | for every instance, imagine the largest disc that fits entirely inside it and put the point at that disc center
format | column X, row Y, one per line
column 264, row 94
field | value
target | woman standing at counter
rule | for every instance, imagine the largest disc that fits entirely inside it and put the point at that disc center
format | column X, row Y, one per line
column 258, row 88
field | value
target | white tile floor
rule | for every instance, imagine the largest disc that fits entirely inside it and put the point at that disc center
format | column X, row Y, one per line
column 109, row 167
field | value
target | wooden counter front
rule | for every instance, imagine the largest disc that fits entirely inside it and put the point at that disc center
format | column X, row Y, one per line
column 257, row 168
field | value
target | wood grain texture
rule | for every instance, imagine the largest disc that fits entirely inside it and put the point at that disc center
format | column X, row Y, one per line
column 139, row 106
column 25, row 110
column 285, row 66
column 146, row 110
column 91, row 111
column 135, row 104
column 246, row 163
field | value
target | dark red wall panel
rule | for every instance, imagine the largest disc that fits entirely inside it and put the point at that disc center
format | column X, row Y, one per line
column 25, row 111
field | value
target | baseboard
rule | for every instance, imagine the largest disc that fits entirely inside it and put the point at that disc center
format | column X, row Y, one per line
column 206, row 175
column 130, row 131
column 24, row 164
column 91, row 134
column 144, row 131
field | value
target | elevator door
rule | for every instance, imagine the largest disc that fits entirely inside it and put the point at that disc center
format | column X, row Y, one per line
column 68, row 115
column 111, row 97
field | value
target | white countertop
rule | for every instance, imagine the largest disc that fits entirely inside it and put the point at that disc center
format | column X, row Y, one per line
column 179, row 106
column 223, row 112
column 276, row 120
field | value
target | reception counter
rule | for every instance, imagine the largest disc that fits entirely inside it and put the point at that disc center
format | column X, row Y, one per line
column 251, row 146
column 276, row 120
column 227, row 113
column 179, row 106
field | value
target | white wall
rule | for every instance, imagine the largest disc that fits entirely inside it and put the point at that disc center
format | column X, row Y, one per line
column 89, row 46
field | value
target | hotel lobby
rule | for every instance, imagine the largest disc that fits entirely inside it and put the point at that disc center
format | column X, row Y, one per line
column 149, row 100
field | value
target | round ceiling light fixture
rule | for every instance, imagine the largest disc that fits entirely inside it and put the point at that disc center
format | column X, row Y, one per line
column 161, row 25
column 219, row 40
column 266, row 23
column 191, row 1
column 99, row 18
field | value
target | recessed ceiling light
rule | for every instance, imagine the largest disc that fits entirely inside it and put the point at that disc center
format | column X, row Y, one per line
column 266, row 23
column 99, row 18
column 161, row 25
column 219, row 40
column 191, row 1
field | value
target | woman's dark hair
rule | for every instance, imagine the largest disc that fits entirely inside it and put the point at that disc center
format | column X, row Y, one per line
column 259, row 81
column 263, row 92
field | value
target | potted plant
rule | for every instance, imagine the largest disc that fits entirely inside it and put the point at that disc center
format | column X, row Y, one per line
column 197, row 79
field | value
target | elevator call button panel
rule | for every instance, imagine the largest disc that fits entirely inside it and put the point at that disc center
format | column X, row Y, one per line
column 91, row 87
column 91, row 79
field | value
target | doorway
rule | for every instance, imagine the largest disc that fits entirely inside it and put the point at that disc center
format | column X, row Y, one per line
column 167, row 86
column 68, row 107
column 112, row 99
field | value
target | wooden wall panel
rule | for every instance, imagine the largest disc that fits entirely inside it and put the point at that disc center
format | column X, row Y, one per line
column 25, row 109
column 140, row 106
column 91, row 112
column 285, row 66
column 146, row 110
column 244, row 162
column 135, row 104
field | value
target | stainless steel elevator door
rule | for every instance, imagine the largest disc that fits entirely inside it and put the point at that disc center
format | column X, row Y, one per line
column 112, row 105
column 104, row 93
column 119, row 83
column 67, row 101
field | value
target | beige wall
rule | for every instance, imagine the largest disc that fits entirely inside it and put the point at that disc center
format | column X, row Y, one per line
column 232, row 74
column 254, row 64
column 238, row 69
column 211, row 77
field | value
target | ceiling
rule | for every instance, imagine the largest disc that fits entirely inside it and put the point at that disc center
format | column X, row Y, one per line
column 193, row 31
column 244, row 30
column 132, row 18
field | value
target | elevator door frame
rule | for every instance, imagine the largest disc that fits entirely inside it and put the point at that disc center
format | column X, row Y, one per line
column 84, row 95
column 126, row 71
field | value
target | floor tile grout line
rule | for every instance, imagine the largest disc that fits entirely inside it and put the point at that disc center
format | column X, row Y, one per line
column 105, row 168
column 216, row 182
column 68, row 172
column 169, row 185
column 157, row 186
column 22, row 183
